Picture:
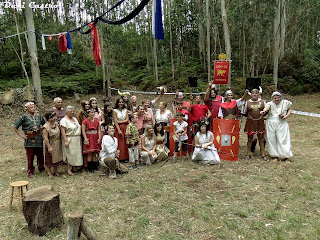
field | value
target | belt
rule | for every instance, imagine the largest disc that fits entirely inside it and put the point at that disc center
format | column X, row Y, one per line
column 92, row 131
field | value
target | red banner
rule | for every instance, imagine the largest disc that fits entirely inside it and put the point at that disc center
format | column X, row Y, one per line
column 221, row 72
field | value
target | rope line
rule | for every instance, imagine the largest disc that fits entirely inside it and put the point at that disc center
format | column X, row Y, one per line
column 127, row 18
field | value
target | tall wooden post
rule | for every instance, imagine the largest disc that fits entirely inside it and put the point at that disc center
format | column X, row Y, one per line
column 33, row 53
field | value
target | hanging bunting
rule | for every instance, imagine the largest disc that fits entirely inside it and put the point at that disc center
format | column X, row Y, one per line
column 43, row 42
column 95, row 44
column 62, row 43
column 157, row 25
column 69, row 44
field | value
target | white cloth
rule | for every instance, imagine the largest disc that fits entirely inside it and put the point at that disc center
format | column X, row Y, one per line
column 282, row 108
column 133, row 154
column 43, row 43
column 277, row 130
column 148, row 144
column 145, row 158
column 180, row 128
column 109, row 147
column 163, row 117
column 209, row 155
column 121, row 115
column 73, row 132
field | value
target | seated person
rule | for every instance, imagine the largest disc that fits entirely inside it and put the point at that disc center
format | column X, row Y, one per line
column 205, row 150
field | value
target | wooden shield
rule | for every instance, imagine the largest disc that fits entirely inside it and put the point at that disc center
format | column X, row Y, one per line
column 226, row 138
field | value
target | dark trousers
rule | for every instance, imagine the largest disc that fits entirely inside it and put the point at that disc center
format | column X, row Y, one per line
column 30, row 153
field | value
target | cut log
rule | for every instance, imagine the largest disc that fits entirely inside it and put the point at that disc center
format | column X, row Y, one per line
column 87, row 231
column 74, row 221
column 41, row 209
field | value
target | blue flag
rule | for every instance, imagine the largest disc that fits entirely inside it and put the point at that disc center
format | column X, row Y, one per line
column 157, row 20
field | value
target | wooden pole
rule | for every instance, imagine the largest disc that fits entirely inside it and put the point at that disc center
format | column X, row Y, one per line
column 87, row 231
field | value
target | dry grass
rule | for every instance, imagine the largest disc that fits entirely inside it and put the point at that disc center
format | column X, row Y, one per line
column 250, row 199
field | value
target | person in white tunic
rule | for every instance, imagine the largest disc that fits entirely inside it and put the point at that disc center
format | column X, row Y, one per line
column 205, row 150
column 71, row 135
column 148, row 145
column 109, row 152
column 277, row 128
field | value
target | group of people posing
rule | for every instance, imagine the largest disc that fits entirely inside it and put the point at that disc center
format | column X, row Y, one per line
column 125, row 131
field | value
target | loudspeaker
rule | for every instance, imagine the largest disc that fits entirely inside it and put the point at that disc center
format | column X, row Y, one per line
column 253, row 83
column 193, row 81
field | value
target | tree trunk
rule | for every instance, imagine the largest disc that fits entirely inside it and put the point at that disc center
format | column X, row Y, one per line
column 155, row 55
column 201, row 35
column 283, row 22
column 276, row 49
column 208, row 40
column 103, row 64
column 226, row 35
column 170, row 32
column 41, row 209
column 33, row 53
column 24, row 72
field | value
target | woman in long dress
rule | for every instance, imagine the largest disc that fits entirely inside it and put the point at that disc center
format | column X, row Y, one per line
column 71, row 134
column 205, row 150
column 91, row 133
column 277, row 127
column 52, row 141
column 121, row 119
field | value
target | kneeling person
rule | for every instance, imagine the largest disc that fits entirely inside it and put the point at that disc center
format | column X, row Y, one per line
column 109, row 154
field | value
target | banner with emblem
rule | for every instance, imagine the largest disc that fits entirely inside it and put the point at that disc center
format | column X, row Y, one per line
column 221, row 72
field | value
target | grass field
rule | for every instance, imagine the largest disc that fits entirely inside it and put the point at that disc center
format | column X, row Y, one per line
column 249, row 199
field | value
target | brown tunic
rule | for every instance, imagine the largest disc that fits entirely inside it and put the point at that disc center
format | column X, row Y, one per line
column 55, row 157
column 255, row 121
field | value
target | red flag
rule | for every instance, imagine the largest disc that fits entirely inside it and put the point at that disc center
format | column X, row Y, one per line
column 62, row 43
column 95, row 43
column 221, row 72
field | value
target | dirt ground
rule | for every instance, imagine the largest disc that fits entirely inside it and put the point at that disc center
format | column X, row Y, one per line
column 183, row 200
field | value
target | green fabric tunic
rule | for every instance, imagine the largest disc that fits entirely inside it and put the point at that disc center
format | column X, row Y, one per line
column 28, row 122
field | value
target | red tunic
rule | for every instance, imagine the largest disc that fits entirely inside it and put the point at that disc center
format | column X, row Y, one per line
column 92, row 135
column 122, row 143
column 214, row 106
column 198, row 111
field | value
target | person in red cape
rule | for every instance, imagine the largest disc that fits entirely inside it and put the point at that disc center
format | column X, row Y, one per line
column 213, row 101
column 230, row 108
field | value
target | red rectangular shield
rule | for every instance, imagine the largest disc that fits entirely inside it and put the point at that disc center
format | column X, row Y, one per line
column 221, row 72
column 226, row 138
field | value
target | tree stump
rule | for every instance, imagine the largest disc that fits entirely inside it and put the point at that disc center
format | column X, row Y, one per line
column 74, row 222
column 41, row 209
column 76, row 225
